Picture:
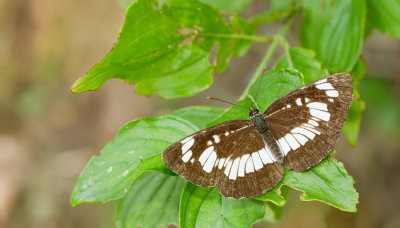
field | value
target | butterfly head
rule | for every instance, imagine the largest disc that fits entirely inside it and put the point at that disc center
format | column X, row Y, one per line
column 253, row 112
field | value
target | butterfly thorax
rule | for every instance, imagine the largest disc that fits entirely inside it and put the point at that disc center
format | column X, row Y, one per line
column 257, row 119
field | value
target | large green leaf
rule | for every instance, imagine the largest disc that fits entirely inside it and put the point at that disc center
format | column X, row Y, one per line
column 304, row 61
column 164, row 47
column 152, row 201
column 384, row 14
column 278, row 9
column 334, row 29
column 199, row 115
column 229, row 5
column 137, row 147
column 205, row 207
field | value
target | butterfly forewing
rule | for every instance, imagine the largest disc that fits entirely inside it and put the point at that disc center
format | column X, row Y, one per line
column 307, row 121
column 231, row 155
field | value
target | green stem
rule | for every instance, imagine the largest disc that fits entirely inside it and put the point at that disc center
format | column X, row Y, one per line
column 267, row 57
column 239, row 36
column 286, row 48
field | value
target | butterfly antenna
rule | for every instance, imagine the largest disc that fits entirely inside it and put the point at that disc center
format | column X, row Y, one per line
column 213, row 98
column 259, row 84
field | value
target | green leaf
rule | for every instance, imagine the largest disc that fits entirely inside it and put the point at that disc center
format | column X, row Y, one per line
column 328, row 182
column 165, row 48
column 304, row 61
column 274, row 85
column 136, row 148
column 199, row 115
column 352, row 126
column 205, row 207
column 334, row 29
column 278, row 10
column 384, row 14
column 229, row 5
column 152, row 201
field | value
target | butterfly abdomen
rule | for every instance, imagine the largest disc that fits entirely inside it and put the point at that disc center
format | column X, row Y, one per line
column 273, row 146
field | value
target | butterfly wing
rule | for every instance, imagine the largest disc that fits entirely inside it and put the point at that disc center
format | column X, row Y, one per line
column 307, row 121
column 230, row 156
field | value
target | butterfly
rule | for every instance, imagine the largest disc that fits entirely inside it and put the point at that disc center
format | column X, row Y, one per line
column 244, row 158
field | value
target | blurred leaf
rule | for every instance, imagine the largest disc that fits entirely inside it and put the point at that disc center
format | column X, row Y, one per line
column 205, row 207
column 152, row 201
column 136, row 148
column 385, row 15
column 165, row 48
column 352, row 126
column 229, row 5
column 278, row 10
column 242, row 46
column 304, row 61
column 383, row 105
column 357, row 73
column 334, row 29
column 199, row 115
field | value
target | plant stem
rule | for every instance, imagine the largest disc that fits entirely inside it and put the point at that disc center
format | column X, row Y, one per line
column 286, row 47
column 239, row 36
column 267, row 57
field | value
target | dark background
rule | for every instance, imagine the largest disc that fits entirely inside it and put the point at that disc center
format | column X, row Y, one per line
column 48, row 134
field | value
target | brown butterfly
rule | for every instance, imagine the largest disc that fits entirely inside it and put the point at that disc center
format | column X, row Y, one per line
column 243, row 158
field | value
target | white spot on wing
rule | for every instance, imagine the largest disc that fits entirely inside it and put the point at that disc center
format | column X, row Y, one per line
column 192, row 160
column 226, row 133
column 234, row 170
column 205, row 154
column 310, row 128
column 257, row 160
column 318, row 105
column 186, row 139
column 249, row 166
column 300, row 138
column 307, row 100
column 298, row 102
column 292, row 141
column 303, row 131
column 288, row 106
column 313, row 122
column 330, row 99
column 320, row 114
column 216, row 138
column 264, row 156
column 187, row 145
column 324, row 86
column 242, row 164
column 221, row 163
column 321, row 81
column 210, row 162
column 332, row 93
column 285, row 147
column 187, row 156
column 216, row 162
column 209, row 142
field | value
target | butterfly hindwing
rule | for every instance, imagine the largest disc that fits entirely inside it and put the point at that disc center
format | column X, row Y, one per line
column 230, row 156
column 307, row 121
